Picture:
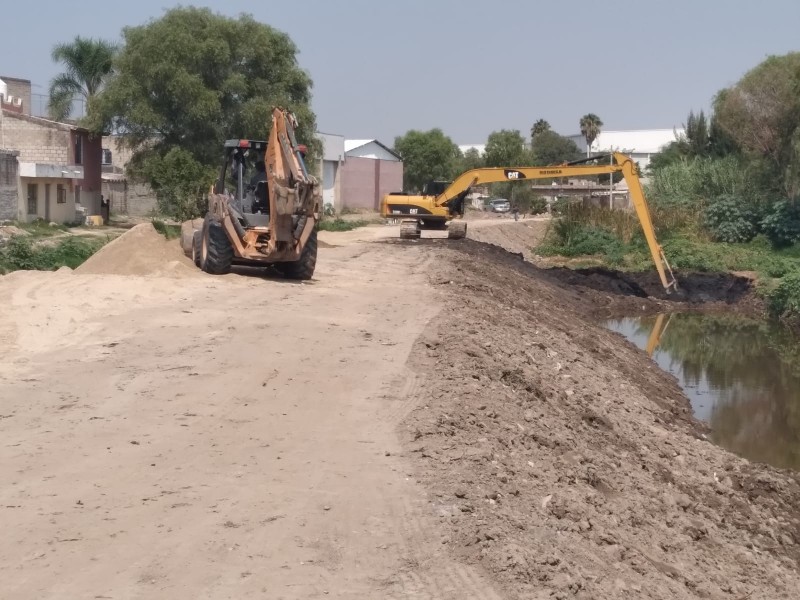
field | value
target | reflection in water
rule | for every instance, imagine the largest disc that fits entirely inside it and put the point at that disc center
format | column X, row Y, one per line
column 741, row 376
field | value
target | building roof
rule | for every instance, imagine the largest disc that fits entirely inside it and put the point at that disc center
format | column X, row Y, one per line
column 43, row 122
column 640, row 141
column 350, row 145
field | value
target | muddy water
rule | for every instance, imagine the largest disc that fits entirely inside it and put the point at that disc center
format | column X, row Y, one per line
column 741, row 376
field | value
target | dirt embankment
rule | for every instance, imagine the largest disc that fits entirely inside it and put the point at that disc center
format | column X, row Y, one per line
column 567, row 464
column 140, row 251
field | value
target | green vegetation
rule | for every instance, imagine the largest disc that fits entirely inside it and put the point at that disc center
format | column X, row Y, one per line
column 724, row 196
column 168, row 230
column 40, row 228
column 427, row 156
column 87, row 66
column 21, row 253
column 338, row 224
column 184, row 83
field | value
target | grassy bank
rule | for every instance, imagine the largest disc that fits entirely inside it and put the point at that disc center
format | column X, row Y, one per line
column 615, row 239
column 338, row 224
column 23, row 253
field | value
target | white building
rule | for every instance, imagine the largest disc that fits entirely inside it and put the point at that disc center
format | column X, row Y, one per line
column 332, row 161
column 639, row 144
column 481, row 148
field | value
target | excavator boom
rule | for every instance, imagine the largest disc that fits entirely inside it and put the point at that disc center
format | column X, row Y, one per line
column 448, row 204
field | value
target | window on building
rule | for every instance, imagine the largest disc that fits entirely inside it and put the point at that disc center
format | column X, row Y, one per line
column 107, row 156
column 33, row 199
column 61, row 195
column 78, row 149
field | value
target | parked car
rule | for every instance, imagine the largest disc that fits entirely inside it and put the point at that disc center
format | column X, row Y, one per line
column 500, row 205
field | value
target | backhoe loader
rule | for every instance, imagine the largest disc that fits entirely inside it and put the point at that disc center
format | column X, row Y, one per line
column 265, row 216
column 442, row 204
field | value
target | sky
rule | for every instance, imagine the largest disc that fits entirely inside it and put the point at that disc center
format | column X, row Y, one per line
column 468, row 67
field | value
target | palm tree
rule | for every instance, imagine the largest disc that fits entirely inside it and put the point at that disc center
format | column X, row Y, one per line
column 88, row 63
column 539, row 127
column 590, row 128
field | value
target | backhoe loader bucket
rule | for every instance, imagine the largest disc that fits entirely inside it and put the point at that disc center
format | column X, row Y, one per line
column 409, row 229
column 456, row 230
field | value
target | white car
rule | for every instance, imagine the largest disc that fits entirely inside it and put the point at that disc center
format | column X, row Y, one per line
column 500, row 205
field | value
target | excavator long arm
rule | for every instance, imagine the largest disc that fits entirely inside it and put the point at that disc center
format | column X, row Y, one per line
column 623, row 164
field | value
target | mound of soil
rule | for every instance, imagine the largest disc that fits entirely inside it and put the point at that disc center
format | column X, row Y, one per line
column 567, row 463
column 140, row 251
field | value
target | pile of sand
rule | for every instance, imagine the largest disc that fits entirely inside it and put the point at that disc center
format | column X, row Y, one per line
column 140, row 251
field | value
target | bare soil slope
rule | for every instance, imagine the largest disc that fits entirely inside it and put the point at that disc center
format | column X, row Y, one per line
column 566, row 463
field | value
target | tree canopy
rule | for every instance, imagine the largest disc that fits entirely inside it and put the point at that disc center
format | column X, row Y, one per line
column 506, row 148
column 550, row 148
column 540, row 126
column 427, row 156
column 590, row 128
column 87, row 65
column 761, row 113
column 192, row 79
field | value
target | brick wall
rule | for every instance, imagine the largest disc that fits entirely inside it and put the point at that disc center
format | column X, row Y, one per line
column 133, row 199
column 8, row 185
column 366, row 180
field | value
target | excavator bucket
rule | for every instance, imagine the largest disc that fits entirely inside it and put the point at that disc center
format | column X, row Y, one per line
column 456, row 230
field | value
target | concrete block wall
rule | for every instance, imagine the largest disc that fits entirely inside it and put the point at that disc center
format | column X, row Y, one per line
column 35, row 142
column 8, row 185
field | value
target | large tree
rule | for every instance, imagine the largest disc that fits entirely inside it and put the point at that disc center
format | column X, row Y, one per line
column 761, row 113
column 590, row 129
column 506, row 148
column 427, row 156
column 186, row 82
column 550, row 148
column 540, row 126
column 87, row 65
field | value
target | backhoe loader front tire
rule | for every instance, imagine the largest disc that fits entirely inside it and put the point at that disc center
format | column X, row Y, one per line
column 197, row 246
column 302, row 269
column 216, row 250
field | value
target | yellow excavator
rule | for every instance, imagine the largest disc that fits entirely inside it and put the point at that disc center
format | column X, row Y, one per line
column 442, row 203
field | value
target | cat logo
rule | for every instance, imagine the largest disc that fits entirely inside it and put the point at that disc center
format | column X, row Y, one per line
column 514, row 175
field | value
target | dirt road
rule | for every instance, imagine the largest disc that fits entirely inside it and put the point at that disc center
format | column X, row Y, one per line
column 431, row 419
column 203, row 437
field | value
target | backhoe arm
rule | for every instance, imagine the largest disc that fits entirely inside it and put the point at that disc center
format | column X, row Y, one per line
column 623, row 164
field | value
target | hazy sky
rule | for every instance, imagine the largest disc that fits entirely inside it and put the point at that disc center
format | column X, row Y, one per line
column 469, row 67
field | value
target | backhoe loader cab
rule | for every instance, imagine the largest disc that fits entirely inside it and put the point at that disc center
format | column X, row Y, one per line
column 265, row 220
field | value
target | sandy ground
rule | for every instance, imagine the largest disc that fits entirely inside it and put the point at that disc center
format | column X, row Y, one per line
column 189, row 436
column 429, row 419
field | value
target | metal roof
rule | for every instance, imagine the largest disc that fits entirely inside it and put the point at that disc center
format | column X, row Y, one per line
column 350, row 145
column 639, row 141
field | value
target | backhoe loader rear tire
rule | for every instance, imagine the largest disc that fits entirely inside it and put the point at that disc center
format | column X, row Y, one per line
column 302, row 269
column 457, row 230
column 216, row 250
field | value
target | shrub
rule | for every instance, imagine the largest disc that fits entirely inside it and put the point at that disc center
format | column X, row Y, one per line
column 338, row 224
column 784, row 300
column 22, row 254
column 729, row 219
column 781, row 224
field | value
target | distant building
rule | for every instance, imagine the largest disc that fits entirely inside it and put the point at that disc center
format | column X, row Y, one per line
column 57, row 170
column 371, row 170
column 333, row 156
column 639, row 144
